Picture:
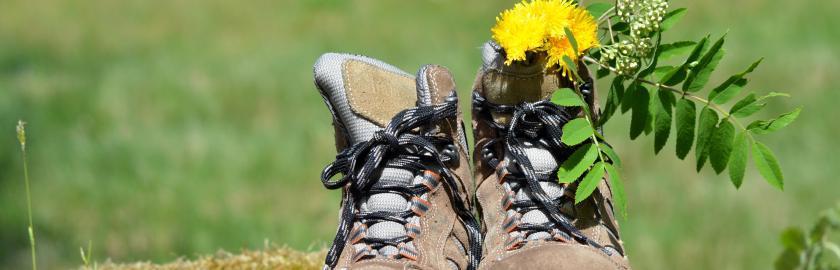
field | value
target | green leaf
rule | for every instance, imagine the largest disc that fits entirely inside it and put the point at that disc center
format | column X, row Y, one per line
column 641, row 112
column 674, row 76
column 598, row 9
column 572, row 66
column 621, row 27
column 788, row 260
column 590, row 182
column 732, row 86
column 749, row 105
column 767, row 165
column 679, row 74
column 699, row 75
column 629, row 97
column 576, row 131
column 668, row 51
column 738, row 159
column 662, row 120
column 685, row 122
column 614, row 98
column 617, row 188
column 611, row 154
column 746, row 106
column 653, row 102
column 705, row 128
column 572, row 40
column 566, row 97
column 794, row 238
column 602, row 72
column 578, row 162
column 697, row 52
column 671, row 18
column 764, row 127
column 720, row 145
column 660, row 72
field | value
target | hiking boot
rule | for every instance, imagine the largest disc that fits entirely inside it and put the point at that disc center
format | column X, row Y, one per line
column 402, row 166
column 530, row 220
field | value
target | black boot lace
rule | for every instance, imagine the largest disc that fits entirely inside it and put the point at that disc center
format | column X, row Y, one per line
column 531, row 124
column 401, row 146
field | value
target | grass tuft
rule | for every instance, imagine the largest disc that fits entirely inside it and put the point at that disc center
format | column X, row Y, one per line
column 283, row 258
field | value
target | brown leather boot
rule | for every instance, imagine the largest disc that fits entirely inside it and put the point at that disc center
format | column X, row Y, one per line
column 402, row 166
column 530, row 221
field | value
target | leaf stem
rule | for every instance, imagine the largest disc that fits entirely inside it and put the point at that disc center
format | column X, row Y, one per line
column 587, row 114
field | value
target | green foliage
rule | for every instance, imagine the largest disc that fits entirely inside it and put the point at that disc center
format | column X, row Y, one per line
column 566, row 97
column 686, row 120
column 738, row 158
column 590, row 182
column 576, row 131
column 577, row 163
column 657, row 105
column 672, row 18
column 598, row 9
column 813, row 249
column 705, row 128
column 579, row 166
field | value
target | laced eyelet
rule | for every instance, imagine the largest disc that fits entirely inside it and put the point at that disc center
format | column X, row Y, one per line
column 451, row 152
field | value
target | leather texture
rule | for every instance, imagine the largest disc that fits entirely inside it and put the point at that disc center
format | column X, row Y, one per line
column 375, row 93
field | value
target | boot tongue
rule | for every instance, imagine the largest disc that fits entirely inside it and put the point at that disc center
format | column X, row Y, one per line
column 363, row 93
column 518, row 82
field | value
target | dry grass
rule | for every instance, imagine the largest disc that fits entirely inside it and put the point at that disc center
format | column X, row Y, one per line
column 269, row 258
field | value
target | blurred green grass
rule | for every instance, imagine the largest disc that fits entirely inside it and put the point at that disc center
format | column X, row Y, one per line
column 161, row 129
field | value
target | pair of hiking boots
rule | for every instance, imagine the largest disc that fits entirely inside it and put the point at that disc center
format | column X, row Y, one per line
column 412, row 200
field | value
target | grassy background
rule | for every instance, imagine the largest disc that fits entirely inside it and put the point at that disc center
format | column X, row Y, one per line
column 161, row 129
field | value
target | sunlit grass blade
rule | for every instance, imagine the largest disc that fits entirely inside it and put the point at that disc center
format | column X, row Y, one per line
column 21, row 135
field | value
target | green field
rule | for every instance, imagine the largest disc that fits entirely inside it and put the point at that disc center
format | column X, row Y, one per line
column 160, row 129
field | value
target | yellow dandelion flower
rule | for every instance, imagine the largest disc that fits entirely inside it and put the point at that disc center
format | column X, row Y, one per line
column 519, row 30
column 539, row 26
